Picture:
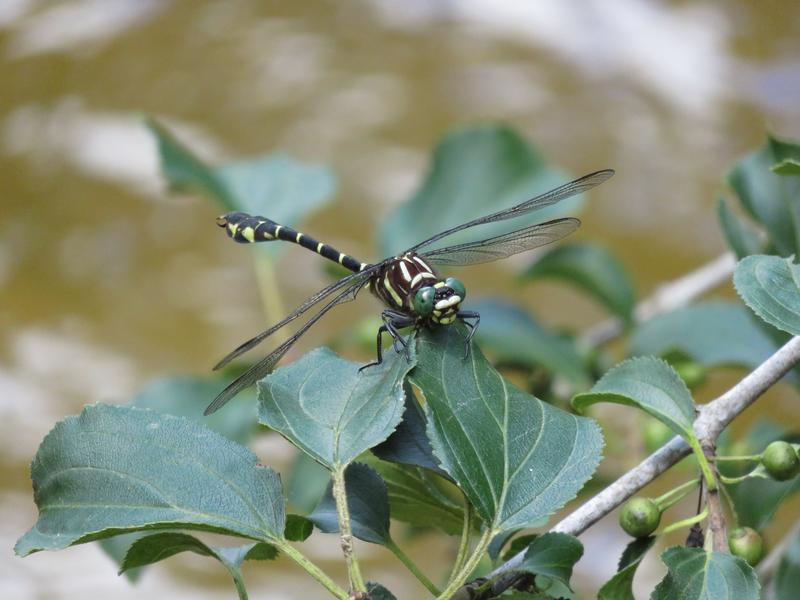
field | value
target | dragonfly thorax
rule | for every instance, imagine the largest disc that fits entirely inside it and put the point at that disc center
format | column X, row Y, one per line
column 409, row 284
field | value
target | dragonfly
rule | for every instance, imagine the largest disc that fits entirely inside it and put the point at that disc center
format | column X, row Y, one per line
column 414, row 294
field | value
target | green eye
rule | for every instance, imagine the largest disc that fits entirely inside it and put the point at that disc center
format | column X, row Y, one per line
column 423, row 301
column 457, row 287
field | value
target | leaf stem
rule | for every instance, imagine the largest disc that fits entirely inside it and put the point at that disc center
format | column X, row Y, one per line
column 702, row 461
column 733, row 480
column 738, row 458
column 411, row 566
column 685, row 522
column 463, row 546
column 674, row 496
column 469, row 566
column 346, row 534
column 312, row 569
column 268, row 290
column 238, row 581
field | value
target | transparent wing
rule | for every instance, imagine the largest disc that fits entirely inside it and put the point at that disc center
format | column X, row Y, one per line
column 355, row 278
column 503, row 246
column 558, row 194
column 265, row 365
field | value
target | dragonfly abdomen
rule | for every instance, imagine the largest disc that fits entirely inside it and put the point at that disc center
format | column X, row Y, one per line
column 248, row 229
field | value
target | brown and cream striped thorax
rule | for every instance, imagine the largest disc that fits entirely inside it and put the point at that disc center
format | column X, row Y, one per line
column 398, row 281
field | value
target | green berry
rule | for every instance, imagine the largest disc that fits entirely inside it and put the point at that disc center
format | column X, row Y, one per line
column 746, row 543
column 640, row 517
column 781, row 461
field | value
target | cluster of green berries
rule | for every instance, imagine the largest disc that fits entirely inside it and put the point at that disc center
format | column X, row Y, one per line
column 640, row 517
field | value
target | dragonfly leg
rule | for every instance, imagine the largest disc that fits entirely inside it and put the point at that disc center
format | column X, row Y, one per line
column 393, row 321
column 463, row 315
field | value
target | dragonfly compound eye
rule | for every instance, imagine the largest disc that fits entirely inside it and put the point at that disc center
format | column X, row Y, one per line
column 457, row 287
column 423, row 300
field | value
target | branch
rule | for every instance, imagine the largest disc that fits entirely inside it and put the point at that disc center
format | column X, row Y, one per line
column 667, row 297
column 713, row 418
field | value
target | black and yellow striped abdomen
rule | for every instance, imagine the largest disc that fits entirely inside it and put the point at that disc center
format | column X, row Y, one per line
column 248, row 229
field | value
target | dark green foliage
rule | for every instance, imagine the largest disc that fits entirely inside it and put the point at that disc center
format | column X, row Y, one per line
column 474, row 171
column 620, row 586
column 325, row 407
column 368, row 502
column 115, row 469
column 771, row 199
column 713, row 334
column 769, row 285
column 552, row 555
column 593, row 269
column 513, row 337
column 695, row 574
column 531, row 458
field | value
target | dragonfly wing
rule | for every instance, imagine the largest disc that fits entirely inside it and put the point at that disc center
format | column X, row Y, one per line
column 360, row 278
column 578, row 186
column 503, row 246
column 265, row 365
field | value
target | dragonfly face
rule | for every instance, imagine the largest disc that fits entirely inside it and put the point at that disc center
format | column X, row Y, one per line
column 440, row 302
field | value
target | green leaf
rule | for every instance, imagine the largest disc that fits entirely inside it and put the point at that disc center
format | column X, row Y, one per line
column 368, row 502
column 185, row 396
column 650, row 384
column 516, row 458
column 159, row 546
column 740, row 235
column 284, row 189
column 512, row 336
column 499, row 541
column 475, row 171
column 769, row 286
column 409, row 444
column 518, row 544
column 787, row 579
column 115, row 469
column 306, row 482
column 117, row 547
column 788, row 166
column 620, row 586
column 419, row 497
column 696, row 574
column 770, row 198
column 554, row 555
column 593, row 269
column 183, row 170
column 713, row 334
column 376, row 591
column 298, row 528
column 323, row 405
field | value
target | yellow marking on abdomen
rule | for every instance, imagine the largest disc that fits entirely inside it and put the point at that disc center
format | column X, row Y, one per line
column 341, row 257
column 249, row 234
column 297, row 237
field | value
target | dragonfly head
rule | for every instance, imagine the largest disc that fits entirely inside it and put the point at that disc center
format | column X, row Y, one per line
column 440, row 302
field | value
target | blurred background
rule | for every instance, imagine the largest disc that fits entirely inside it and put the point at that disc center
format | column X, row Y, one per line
column 107, row 281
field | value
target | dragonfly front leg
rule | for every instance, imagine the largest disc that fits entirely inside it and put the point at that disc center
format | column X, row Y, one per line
column 463, row 315
column 393, row 321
